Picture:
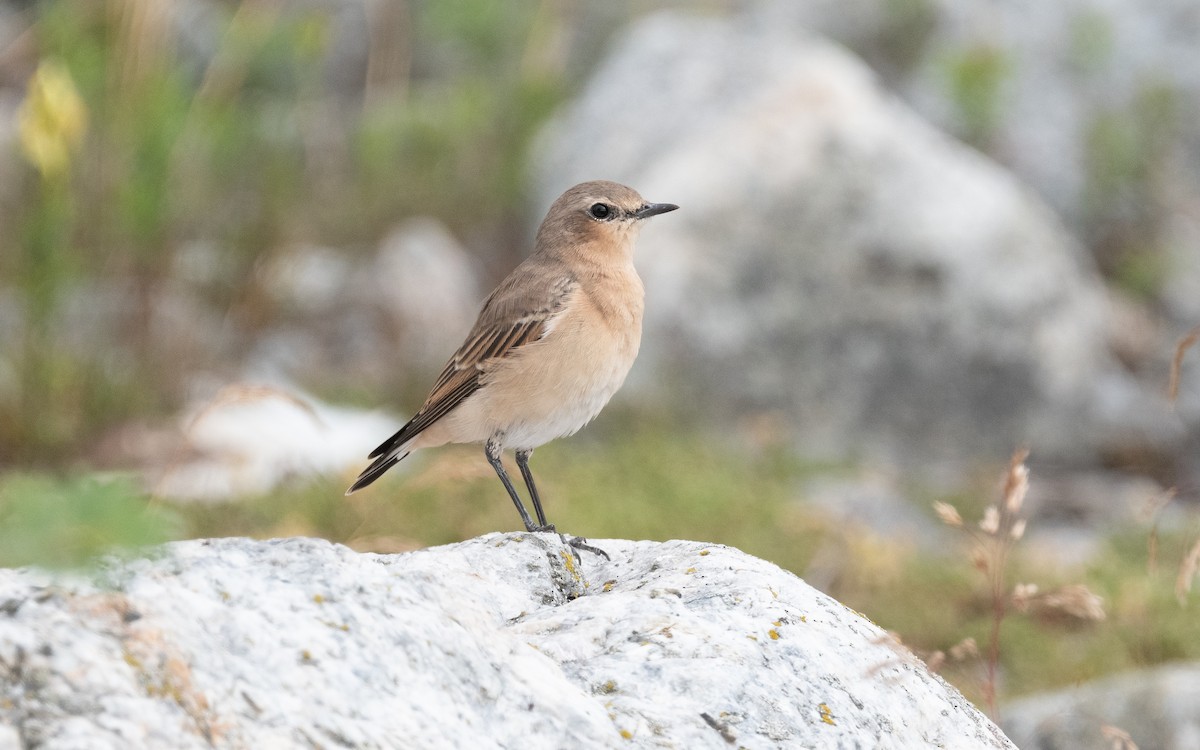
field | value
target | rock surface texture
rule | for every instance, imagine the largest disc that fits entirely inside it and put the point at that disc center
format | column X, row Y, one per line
column 500, row 641
column 893, row 293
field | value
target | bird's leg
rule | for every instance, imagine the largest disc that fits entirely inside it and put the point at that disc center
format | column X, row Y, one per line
column 575, row 542
column 523, row 463
column 492, row 450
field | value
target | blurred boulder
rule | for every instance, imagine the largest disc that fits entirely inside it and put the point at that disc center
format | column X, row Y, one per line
column 1096, row 104
column 429, row 288
column 388, row 322
column 1074, row 514
column 874, row 503
column 1159, row 709
column 896, row 295
column 248, row 439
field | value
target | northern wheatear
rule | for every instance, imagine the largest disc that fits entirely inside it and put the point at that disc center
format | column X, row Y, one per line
column 551, row 346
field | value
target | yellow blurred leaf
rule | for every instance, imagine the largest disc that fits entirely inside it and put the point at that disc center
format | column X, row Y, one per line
column 52, row 120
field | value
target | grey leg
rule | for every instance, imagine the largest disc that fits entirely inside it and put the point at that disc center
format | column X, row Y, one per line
column 523, row 463
column 492, row 450
column 575, row 542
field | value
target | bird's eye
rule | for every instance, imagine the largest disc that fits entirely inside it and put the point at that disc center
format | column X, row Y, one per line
column 600, row 211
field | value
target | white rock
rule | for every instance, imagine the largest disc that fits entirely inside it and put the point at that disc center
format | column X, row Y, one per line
column 250, row 438
column 500, row 641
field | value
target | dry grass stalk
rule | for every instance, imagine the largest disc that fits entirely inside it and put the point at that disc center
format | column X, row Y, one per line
column 999, row 530
column 1023, row 594
column 1000, row 521
column 1187, row 573
column 1181, row 348
column 948, row 514
column 1016, row 483
column 936, row 661
column 1151, row 511
column 891, row 640
column 990, row 523
column 964, row 649
column 932, row 660
column 1118, row 739
column 1075, row 601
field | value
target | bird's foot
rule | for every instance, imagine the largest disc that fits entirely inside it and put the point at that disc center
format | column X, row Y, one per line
column 578, row 542
column 575, row 542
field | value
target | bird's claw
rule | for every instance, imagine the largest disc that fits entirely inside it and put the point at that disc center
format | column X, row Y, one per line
column 576, row 543
column 579, row 543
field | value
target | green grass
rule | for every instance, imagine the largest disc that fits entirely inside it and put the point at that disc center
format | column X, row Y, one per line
column 56, row 524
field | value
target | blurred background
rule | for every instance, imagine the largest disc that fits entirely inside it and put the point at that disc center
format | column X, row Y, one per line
column 239, row 238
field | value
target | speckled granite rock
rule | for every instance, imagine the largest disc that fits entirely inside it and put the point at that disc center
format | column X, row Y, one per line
column 500, row 641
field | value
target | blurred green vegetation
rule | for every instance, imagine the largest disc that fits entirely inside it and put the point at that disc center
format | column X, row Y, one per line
column 66, row 523
column 975, row 77
column 1127, row 161
column 249, row 148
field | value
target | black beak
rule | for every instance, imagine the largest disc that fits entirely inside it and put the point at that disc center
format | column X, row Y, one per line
column 653, row 209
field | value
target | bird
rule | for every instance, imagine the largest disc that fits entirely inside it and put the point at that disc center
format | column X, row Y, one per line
column 552, row 344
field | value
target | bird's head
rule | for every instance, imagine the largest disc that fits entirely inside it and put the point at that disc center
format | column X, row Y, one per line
column 597, row 212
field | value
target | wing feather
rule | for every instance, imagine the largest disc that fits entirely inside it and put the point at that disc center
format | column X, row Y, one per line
column 507, row 322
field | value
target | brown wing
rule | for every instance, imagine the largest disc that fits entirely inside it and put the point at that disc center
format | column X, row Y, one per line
column 515, row 315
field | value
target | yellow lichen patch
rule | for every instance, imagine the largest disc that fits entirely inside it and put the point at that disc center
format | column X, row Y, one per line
column 860, row 614
column 777, row 623
column 569, row 561
column 318, row 599
column 774, row 593
column 608, row 687
column 608, row 586
column 752, row 637
column 803, row 618
column 826, row 714
column 336, row 625
column 690, row 570
column 774, row 634
column 704, row 553
column 131, row 660
column 627, row 734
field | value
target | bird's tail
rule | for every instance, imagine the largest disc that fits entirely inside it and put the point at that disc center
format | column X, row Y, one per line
column 377, row 468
